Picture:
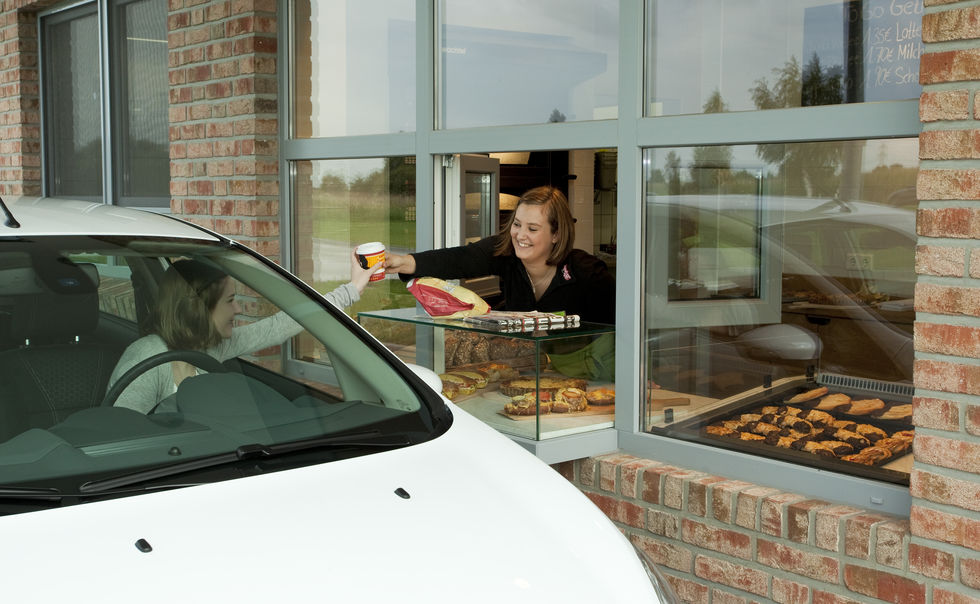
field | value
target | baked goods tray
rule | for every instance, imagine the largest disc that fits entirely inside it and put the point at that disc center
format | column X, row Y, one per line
column 858, row 388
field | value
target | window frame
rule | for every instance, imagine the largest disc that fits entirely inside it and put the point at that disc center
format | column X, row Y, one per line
column 629, row 134
column 111, row 82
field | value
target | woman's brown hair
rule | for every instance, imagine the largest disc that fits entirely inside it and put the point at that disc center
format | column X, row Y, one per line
column 556, row 209
column 189, row 291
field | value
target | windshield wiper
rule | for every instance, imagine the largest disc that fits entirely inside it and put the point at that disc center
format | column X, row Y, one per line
column 32, row 493
column 371, row 439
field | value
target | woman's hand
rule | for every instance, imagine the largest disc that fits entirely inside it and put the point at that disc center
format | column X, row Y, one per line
column 395, row 263
column 359, row 277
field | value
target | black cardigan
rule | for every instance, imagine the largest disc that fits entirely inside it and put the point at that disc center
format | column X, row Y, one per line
column 582, row 284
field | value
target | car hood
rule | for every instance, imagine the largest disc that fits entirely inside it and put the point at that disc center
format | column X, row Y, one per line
column 482, row 521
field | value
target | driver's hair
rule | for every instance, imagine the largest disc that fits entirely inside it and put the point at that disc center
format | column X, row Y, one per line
column 188, row 293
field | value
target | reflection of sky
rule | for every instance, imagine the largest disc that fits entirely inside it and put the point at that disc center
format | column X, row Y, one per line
column 706, row 45
column 364, row 62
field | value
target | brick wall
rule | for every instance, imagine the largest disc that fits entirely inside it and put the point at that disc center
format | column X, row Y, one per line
column 224, row 124
column 730, row 541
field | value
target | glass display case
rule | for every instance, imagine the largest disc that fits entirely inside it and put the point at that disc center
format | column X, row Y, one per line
column 530, row 382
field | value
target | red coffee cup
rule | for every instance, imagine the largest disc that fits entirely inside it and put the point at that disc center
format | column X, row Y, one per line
column 370, row 254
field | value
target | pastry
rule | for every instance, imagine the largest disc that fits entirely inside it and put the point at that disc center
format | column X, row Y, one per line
column 897, row 446
column 817, row 417
column 569, row 400
column 519, row 386
column 865, row 406
column 479, row 377
column 868, row 456
column 498, row 371
column 833, row 402
column 717, row 430
column 837, row 447
column 528, row 404
column 750, row 436
column 750, row 417
column 601, row 396
column 809, row 395
column 906, row 435
column 450, row 390
column 897, row 412
column 763, row 428
column 872, row 433
column 818, row 448
column 842, row 424
column 464, row 384
column 852, row 438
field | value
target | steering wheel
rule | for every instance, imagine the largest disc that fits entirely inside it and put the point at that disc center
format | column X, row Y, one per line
column 196, row 358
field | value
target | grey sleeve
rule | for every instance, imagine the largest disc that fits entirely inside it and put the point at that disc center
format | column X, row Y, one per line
column 343, row 296
column 149, row 388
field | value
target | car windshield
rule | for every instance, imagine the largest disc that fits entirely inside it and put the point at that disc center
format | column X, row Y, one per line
column 126, row 356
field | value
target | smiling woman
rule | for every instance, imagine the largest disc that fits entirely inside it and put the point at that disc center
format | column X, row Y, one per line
column 534, row 258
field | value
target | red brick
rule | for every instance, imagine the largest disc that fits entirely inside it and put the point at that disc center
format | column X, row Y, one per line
column 945, row 489
column 663, row 523
column 944, row 527
column 587, row 474
column 723, row 597
column 944, row 26
column 945, row 596
column 609, row 469
column 688, row 591
column 674, row 487
column 952, row 221
column 931, row 562
column 629, row 474
column 940, row 261
column 973, row 419
column 665, row 553
column 949, row 66
column 732, row 575
column 857, row 534
column 793, row 560
column 948, row 453
column 566, row 469
column 697, row 494
column 619, row 511
column 747, row 505
column 798, row 519
column 785, row 591
column 723, row 498
column 970, row 572
column 725, row 541
column 883, row 585
column 771, row 512
column 940, row 414
column 947, row 144
column 826, row 597
column 956, row 340
column 828, row 526
column 944, row 105
column 946, row 377
column 650, row 481
column 890, row 543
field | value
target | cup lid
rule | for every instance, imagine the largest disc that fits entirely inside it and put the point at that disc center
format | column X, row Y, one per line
column 372, row 247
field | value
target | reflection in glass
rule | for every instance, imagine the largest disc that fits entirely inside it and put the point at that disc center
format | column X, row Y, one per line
column 515, row 62
column 709, row 56
column 343, row 203
column 353, row 67
column 833, row 224
column 143, row 155
column 73, row 104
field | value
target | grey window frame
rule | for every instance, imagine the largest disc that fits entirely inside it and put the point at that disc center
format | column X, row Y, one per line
column 109, row 74
column 630, row 133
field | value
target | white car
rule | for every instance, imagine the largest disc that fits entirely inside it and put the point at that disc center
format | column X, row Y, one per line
column 343, row 476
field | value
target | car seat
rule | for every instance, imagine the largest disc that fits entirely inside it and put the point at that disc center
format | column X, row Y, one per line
column 56, row 368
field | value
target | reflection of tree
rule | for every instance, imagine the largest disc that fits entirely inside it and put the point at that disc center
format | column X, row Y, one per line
column 711, row 166
column 804, row 169
column 556, row 116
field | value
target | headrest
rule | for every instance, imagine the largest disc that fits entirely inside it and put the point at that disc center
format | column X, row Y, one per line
column 57, row 316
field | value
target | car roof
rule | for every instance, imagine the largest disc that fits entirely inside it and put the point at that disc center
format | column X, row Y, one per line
column 50, row 216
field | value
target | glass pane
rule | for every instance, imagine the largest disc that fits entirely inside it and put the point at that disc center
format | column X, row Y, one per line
column 73, row 104
column 143, row 148
column 354, row 67
column 710, row 56
column 515, row 62
column 834, row 224
column 340, row 204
